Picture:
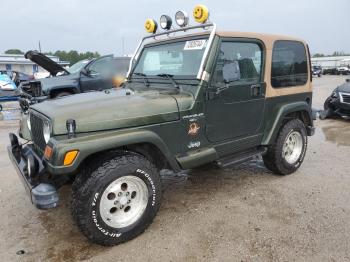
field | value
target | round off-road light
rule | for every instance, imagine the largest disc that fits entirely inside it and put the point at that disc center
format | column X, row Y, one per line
column 165, row 22
column 151, row 26
column 181, row 18
column 201, row 13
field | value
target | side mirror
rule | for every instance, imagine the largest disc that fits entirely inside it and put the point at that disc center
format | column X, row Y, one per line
column 231, row 72
column 84, row 72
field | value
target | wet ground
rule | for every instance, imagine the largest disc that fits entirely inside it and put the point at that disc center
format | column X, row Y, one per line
column 243, row 213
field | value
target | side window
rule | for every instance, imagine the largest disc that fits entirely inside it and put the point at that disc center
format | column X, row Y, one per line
column 100, row 66
column 289, row 64
column 238, row 63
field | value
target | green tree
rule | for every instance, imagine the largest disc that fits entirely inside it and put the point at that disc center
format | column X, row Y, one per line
column 318, row 55
column 73, row 56
column 14, row 52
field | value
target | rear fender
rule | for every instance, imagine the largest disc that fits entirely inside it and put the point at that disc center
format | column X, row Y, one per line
column 273, row 127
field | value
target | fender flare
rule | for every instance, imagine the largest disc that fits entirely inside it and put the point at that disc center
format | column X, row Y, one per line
column 95, row 143
column 273, row 127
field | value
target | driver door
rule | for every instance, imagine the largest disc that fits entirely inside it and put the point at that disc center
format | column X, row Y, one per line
column 99, row 76
column 236, row 95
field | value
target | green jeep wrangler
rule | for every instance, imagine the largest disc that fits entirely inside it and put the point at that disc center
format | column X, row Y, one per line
column 193, row 95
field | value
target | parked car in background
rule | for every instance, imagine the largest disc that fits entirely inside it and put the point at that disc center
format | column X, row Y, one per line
column 84, row 76
column 317, row 71
column 8, row 89
column 338, row 103
column 17, row 77
column 330, row 71
column 343, row 70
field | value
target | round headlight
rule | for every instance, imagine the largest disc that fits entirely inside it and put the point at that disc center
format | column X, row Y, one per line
column 181, row 18
column 28, row 123
column 47, row 131
column 165, row 22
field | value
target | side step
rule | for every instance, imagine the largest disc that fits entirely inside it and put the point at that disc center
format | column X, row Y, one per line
column 239, row 157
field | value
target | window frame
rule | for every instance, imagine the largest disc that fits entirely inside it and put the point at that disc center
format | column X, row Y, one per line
column 257, row 41
column 307, row 64
column 168, row 41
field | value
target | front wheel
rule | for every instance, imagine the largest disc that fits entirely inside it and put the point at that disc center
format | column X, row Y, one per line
column 287, row 154
column 118, row 200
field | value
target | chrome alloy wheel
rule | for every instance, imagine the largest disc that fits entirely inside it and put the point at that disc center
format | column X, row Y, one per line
column 124, row 201
column 292, row 147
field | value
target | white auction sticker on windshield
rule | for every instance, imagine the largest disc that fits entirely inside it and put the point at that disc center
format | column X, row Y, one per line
column 195, row 44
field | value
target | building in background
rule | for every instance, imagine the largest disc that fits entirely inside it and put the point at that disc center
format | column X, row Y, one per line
column 329, row 62
column 21, row 64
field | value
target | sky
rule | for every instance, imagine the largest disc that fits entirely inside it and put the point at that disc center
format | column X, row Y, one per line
column 115, row 26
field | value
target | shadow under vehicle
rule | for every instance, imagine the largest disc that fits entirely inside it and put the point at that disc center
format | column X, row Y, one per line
column 338, row 103
column 194, row 95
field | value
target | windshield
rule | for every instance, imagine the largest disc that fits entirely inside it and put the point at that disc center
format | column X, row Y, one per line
column 77, row 66
column 178, row 59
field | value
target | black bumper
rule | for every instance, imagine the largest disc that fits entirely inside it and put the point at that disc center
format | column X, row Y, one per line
column 342, row 109
column 42, row 194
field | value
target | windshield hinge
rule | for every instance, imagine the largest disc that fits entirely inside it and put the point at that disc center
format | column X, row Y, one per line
column 205, row 76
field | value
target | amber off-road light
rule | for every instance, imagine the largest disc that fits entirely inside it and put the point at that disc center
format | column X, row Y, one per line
column 165, row 22
column 201, row 13
column 181, row 18
column 151, row 26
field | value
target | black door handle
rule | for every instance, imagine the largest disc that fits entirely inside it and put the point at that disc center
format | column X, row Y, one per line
column 255, row 90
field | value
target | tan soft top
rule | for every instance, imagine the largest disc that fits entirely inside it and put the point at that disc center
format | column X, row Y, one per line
column 268, row 39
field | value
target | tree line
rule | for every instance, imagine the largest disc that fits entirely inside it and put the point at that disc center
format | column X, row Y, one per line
column 335, row 53
column 71, row 56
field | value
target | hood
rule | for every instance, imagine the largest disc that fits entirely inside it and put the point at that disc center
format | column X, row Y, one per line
column 42, row 60
column 344, row 88
column 62, row 81
column 113, row 109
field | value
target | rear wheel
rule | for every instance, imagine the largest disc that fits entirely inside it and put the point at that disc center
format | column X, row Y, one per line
column 287, row 154
column 117, row 200
column 61, row 94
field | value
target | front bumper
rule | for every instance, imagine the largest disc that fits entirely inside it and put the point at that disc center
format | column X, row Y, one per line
column 340, row 108
column 32, row 174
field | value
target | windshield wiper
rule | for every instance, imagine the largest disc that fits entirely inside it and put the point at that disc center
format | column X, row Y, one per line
column 171, row 78
column 144, row 77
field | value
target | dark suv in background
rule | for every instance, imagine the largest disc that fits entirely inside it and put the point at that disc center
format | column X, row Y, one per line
column 84, row 76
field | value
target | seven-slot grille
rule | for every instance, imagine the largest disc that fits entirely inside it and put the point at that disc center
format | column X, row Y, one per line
column 37, row 124
column 345, row 98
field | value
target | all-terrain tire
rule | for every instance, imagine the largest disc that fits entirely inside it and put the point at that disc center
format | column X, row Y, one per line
column 90, row 185
column 274, row 159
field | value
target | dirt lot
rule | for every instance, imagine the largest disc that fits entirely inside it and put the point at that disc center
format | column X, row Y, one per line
column 240, row 214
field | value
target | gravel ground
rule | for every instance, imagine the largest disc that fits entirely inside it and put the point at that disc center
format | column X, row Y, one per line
column 244, row 213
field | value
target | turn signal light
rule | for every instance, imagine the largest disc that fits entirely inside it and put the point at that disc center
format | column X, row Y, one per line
column 70, row 157
column 48, row 152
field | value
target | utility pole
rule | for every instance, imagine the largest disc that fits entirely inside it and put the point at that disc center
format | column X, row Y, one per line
column 123, row 46
column 39, row 47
